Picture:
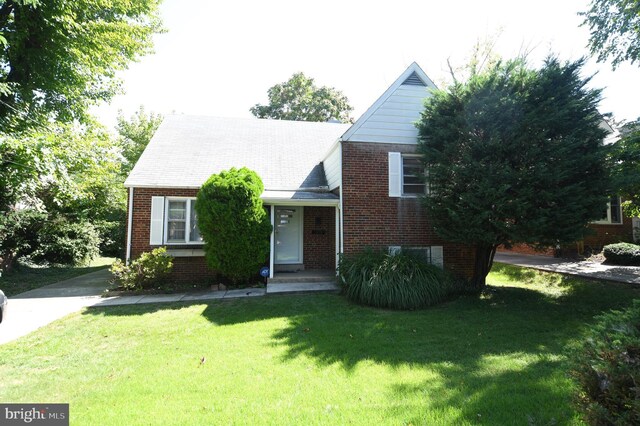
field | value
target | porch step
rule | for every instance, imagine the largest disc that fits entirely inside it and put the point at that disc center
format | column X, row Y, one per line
column 288, row 280
column 302, row 287
column 309, row 276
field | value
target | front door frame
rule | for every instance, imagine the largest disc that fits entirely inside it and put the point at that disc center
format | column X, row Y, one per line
column 308, row 203
column 300, row 211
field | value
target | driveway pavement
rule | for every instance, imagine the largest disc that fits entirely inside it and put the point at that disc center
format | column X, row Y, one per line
column 586, row 269
column 33, row 309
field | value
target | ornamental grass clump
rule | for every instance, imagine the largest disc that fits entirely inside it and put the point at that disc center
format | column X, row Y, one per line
column 399, row 281
column 606, row 368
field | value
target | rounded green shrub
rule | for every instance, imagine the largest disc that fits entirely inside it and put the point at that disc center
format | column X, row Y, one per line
column 61, row 241
column 606, row 368
column 234, row 224
column 112, row 237
column 399, row 281
column 149, row 271
column 622, row 254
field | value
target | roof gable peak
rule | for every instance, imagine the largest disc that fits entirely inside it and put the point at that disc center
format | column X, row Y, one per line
column 412, row 77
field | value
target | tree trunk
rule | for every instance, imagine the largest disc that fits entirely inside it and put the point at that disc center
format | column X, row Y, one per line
column 7, row 261
column 482, row 266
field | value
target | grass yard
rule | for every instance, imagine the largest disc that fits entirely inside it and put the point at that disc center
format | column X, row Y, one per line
column 27, row 277
column 317, row 359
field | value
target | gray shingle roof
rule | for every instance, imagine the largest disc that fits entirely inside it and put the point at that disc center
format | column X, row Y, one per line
column 186, row 150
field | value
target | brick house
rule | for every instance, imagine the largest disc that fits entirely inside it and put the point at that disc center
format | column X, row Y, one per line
column 614, row 227
column 330, row 188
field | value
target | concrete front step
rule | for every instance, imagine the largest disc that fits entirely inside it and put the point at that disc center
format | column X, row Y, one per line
column 295, row 278
column 302, row 287
column 306, row 276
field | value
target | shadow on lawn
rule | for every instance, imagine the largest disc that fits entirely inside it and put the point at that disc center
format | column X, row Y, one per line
column 515, row 272
column 460, row 341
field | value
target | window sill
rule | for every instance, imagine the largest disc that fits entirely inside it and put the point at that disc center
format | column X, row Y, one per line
column 185, row 252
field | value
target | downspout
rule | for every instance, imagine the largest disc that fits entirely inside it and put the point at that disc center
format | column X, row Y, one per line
column 129, row 224
column 341, row 206
column 341, row 223
column 272, row 239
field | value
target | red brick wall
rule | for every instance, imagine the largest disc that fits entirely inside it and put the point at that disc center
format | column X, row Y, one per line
column 184, row 268
column 601, row 236
column 319, row 246
column 609, row 234
column 373, row 219
column 319, row 238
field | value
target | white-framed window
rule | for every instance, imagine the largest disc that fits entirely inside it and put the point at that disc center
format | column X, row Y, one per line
column 612, row 215
column 413, row 176
column 181, row 223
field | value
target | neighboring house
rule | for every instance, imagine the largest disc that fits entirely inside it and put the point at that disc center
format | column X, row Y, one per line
column 613, row 227
column 330, row 188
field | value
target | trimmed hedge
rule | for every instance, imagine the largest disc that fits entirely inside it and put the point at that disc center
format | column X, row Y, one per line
column 234, row 224
column 400, row 281
column 622, row 254
column 606, row 368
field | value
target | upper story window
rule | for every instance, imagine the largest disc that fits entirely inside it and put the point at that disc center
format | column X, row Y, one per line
column 613, row 213
column 181, row 221
column 413, row 176
column 406, row 175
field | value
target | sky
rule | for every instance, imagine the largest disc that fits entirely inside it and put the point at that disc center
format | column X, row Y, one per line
column 219, row 58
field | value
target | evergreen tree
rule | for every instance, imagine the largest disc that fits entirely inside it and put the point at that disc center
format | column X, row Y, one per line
column 233, row 223
column 514, row 155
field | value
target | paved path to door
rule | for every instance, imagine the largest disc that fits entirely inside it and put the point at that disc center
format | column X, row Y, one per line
column 586, row 269
column 33, row 309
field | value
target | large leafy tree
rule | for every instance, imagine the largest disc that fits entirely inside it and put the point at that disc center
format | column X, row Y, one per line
column 300, row 99
column 135, row 134
column 70, row 173
column 59, row 57
column 615, row 30
column 233, row 223
column 514, row 155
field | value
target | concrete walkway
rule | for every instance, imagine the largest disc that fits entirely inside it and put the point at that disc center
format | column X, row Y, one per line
column 586, row 269
column 33, row 309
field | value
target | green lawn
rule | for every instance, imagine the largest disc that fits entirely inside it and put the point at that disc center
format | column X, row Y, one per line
column 27, row 277
column 317, row 359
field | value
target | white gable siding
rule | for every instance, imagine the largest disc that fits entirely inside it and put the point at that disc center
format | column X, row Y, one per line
column 333, row 167
column 393, row 120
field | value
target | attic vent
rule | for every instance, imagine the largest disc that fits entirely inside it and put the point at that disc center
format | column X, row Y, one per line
column 414, row 80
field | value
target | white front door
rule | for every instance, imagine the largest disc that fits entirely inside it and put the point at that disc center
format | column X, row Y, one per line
column 288, row 238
